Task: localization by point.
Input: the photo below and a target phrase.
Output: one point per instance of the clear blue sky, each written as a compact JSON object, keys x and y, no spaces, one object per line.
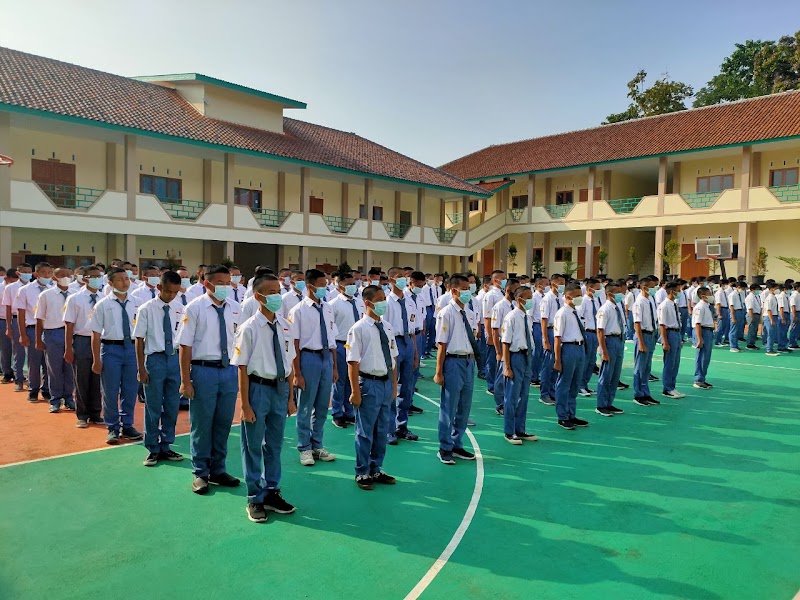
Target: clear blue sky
{"x":434,"y":79}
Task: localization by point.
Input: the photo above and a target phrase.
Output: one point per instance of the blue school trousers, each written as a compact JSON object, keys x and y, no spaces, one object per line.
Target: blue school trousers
{"x":161,"y":400}
{"x":119,"y":384}
{"x":610,"y":372}
{"x":573,"y":361}
{"x":372,"y":425}
{"x":341,"y":406}
{"x":312,"y":408}
{"x":211,"y":415}
{"x":455,"y":401}
{"x":516,"y":393}
{"x":643,"y":365}
{"x":672,"y":361}
{"x":702,"y":356}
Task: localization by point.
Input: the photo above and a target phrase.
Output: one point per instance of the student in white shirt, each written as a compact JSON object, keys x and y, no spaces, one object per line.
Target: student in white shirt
{"x":24,"y":273}
{"x":569,"y":357}
{"x":78,"y":347}
{"x":237,"y":290}
{"x":159,"y":369}
{"x":296,"y":295}
{"x":736,"y":312}
{"x":197,"y":289}
{"x":492,"y":297}
{"x":645,"y":323}
{"x":703,"y":323}
{"x":499,"y":312}
{"x":414,"y":293}
{"x":50,"y":309}
{"x":114,"y":356}
{"x":149,"y":289}
{"x":669,"y":320}
{"x":611,"y":325}
{"x":794,"y":309}
{"x":516,"y":335}
{"x":752,"y":304}
{"x":771,"y":319}
{"x":7,"y":341}
{"x":550,"y":304}
{"x":208,"y":379}
{"x":587,"y":311}
{"x":430,"y":310}
{"x":371,"y":366}
{"x":456,"y":327}
{"x":313,"y":330}
{"x":784,"y":313}
{"x":535,"y":315}
{"x":25,"y":307}
{"x":347,"y":311}
{"x":264,"y":352}
{"x":630,"y":298}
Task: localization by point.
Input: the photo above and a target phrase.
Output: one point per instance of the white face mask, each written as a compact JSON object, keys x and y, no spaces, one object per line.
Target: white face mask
{"x":64,"y":281}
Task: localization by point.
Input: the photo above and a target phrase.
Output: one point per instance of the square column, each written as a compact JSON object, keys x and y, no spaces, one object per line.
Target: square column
{"x":305,"y":195}
{"x":529,"y":252}
{"x":546,"y":252}
{"x":465,"y":218}
{"x":531,"y":198}
{"x":662,"y":189}
{"x":367,"y":260}
{"x":503,"y":252}
{"x":419,"y":261}
{"x":745,"y":183}
{"x":131,"y":175}
{"x":420,"y":216}
{"x":229,"y":182}
{"x":590,"y":203}
{"x":659,"y":247}
{"x":464,"y":264}
{"x":743,"y":262}
{"x":587,"y":268}
{"x":131,"y":252}
{"x":368,"y":207}
{"x":302,"y":257}
{"x":229,"y":250}
{"x":281,"y":191}
{"x":112,"y":181}
{"x":676,"y":177}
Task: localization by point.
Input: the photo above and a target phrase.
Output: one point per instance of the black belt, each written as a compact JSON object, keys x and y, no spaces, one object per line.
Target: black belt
{"x":550,"y":326}
{"x":214,"y":364}
{"x":341,"y":341}
{"x":322,"y":351}
{"x":574,"y":343}
{"x":461,"y":356}
{"x":673,"y":328}
{"x":373,"y":377}
{"x":519,"y":351}
{"x":650,"y":331}
{"x":709,"y":328}
{"x":265,"y":381}
{"x":619,"y":335}
{"x":163,"y":353}
{"x":77,"y":335}
{"x":114,"y":342}
{"x":55,"y":329}
{"x":405,"y":335}
{"x":591,"y":330}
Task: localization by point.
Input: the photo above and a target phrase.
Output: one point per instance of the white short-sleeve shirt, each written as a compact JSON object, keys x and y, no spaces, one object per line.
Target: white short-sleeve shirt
{"x":450,"y":328}
{"x":342,"y":308}
{"x":668,"y":314}
{"x":50,"y":307}
{"x":565,"y":325}
{"x":304,"y":324}
{"x":106,"y":319}
{"x":364,"y":346}
{"x":609,"y":319}
{"x":200,"y":327}
{"x":254,"y":346}
{"x":513,"y":329}
{"x":26,"y":299}
{"x":701,"y":314}
{"x":150,"y":324}
{"x":79,"y":308}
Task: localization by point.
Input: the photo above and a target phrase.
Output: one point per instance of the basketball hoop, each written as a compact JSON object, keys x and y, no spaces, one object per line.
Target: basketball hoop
{"x":6,"y":161}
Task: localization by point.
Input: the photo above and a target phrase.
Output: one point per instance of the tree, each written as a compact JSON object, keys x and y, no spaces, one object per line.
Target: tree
{"x":736,"y":79}
{"x":777,"y":66}
{"x":791,"y":262}
{"x":664,"y":96}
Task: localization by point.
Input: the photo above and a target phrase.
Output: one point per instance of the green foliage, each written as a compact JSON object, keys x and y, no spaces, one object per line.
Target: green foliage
{"x":602,"y":257}
{"x":632,"y":259}
{"x":569,"y":267}
{"x":664,"y":96}
{"x":791,"y":262}
{"x":227,"y":262}
{"x":344,"y":268}
{"x":760,"y":263}
{"x":537,"y":266}
{"x":512,"y":255}
{"x":672,"y":255}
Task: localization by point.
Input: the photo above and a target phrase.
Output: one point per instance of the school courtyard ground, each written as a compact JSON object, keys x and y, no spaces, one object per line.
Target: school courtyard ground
{"x":697,"y":498}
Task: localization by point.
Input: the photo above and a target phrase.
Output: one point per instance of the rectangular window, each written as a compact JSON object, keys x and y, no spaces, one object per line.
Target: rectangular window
{"x":538,"y":253}
{"x":377,"y":213}
{"x":519,"y":201}
{"x":474,"y":205}
{"x":405,"y":217}
{"x":563,"y":254}
{"x":165,"y":189}
{"x":316,"y":205}
{"x":714,"y":183}
{"x":564,"y":197}
{"x":778,"y":177}
{"x":245,"y":197}
{"x":584,"y":194}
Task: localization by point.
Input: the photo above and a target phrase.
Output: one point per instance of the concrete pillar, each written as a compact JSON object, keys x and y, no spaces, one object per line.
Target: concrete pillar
{"x":659,"y":248}
{"x":752,"y":248}
{"x":398,"y":196}
{"x":590,"y":200}
{"x":546,"y":252}
{"x":305,"y":196}
{"x":744,"y":262}
{"x":676,"y":177}
{"x":396,"y":259}
{"x":207,"y":181}
{"x":548,"y":192}
{"x":531,"y":196}
{"x":302,"y":257}
{"x":419,"y":261}
{"x":607,"y":185}
{"x":229,"y":182}
{"x":367,"y":260}
{"x":589,"y":266}
{"x":747,"y":165}
{"x":343,"y":256}
{"x":441,"y":265}
{"x":441,"y":214}
{"x":464,"y":264}
{"x":528,"y":253}
{"x":662,"y":187}
{"x":345,"y":199}
{"x":131,"y":175}
{"x":5,"y":172}
{"x":281,"y":191}
{"x":368,"y":207}
{"x":503,"y":252}
{"x":755,"y":170}
{"x":207,"y":252}
{"x":5,"y":247}
{"x":112,"y":181}
{"x":131,"y":251}
{"x":465,"y":219}
{"x":229,"y":250}
{"x":421,"y":214}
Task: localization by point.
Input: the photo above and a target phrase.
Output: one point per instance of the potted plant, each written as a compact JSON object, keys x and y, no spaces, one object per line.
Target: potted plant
{"x":569,"y":267}
{"x":537,"y":266}
{"x":602,"y":257}
{"x":792,"y":263}
{"x":760,"y":266}
{"x":632,"y":263}
{"x":512,"y":256}
{"x":344,"y":268}
{"x":713,"y":265}
{"x":672,"y":257}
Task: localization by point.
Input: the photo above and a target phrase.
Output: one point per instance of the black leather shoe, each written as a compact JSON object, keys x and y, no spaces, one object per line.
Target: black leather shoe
{"x":224,"y":480}
{"x":200,"y":485}
{"x":381,"y":477}
{"x":405,"y":434}
{"x":415,"y":410}
{"x":579,"y":422}
{"x":463,"y":454}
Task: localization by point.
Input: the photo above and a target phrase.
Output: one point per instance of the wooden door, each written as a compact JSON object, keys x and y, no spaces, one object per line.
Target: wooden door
{"x":692,"y":267}
{"x":316,"y":205}
{"x":56,"y":179}
{"x":581,"y":272}
{"x":488,"y":260}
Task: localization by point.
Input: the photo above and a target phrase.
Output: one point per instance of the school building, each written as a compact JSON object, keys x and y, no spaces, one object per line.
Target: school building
{"x":191,"y":169}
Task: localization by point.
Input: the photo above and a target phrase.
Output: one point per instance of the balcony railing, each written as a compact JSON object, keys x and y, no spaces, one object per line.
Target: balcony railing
{"x":624,"y":206}
{"x":397,"y":230}
{"x":517,"y":213}
{"x":558,"y":211}
{"x":68,"y":196}
{"x":188,"y":210}
{"x":700,"y":199}
{"x":269,"y":217}
{"x":338,"y":224}
{"x":445,"y":236}
{"x":786,"y":193}
{"x":455,"y":218}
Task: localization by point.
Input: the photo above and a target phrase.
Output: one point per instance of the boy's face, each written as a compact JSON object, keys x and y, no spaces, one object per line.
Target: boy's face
{"x":524,"y":297}
{"x":212,"y":281}
{"x":168,"y":291}
{"x":268,"y":288}
{"x":44,"y":272}
{"x":121,"y":282}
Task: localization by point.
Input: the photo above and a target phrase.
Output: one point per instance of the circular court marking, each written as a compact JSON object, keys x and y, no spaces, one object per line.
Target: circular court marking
{"x":463,"y":526}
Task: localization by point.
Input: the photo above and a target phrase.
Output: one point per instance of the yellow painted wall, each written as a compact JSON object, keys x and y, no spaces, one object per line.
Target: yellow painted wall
{"x":692,"y":169}
{"x":619,"y":241}
{"x":189,"y":252}
{"x":384,"y":198}
{"x":237,"y":107}
{"x":88,"y":156}
{"x":186,"y":168}
{"x":431,"y":210}
{"x":292,"y":193}
{"x":625,"y":186}
{"x":780,"y":239}
{"x":782,"y":159}
{"x":408,"y":202}
{"x":573,"y":182}
{"x":331,"y":193}
{"x":259,"y":179}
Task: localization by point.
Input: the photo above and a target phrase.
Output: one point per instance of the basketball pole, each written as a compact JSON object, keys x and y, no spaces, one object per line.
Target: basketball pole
{"x":721,"y":262}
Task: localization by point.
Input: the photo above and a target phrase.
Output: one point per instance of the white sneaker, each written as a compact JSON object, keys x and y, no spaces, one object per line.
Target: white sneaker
{"x":676,"y":394}
{"x":323,"y":455}
{"x":82,"y":424}
{"x":735,"y":350}
{"x":306,"y":458}
{"x":585,"y":393}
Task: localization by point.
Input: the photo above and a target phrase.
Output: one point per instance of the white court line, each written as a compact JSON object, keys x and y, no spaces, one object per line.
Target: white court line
{"x":465,"y":522}
{"x":725,"y":362}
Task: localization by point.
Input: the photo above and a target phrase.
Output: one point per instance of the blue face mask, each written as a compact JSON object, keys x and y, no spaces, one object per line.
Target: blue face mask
{"x":473,"y":287}
{"x":300,"y":285}
{"x":619,"y":298}
{"x":153,"y":281}
{"x":186,"y":282}
{"x":465,"y":296}
{"x":95,"y":282}
{"x":272,"y":302}
{"x":561,"y":289}
{"x":44,"y":280}
{"x":416,"y":290}
{"x":529,"y":304}
{"x":380,"y":307}
{"x":387,"y":289}
{"x":25,"y":277}
{"x":129,"y":273}
{"x":320,"y":292}
{"x":503,"y":284}
{"x":235,"y":279}
{"x":221,"y":292}
{"x":350,"y":290}
{"x":401,"y":283}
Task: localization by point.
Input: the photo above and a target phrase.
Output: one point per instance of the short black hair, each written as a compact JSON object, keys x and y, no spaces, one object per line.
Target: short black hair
{"x":417,"y":276}
{"x":43,"y":265}
{"x":572,"y":287}
{"x":114,"y":270}
{"x":215,"y":270}
{"x":458,"y":279}
{"x":521,"y":290}
{"x":12,"y":274}
{"x":170,"y":277}
{"x":264,"y":277}
{"x":486,"y":279}
{"x":374,"y":271}
{"x":498,"y":272}
{"x":368,"y":293}
{"x":313,"y":274}
{"x":672,"y":286}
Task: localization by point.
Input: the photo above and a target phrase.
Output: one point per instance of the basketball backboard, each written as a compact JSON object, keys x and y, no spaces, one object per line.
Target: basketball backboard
{"x":719,"y":248}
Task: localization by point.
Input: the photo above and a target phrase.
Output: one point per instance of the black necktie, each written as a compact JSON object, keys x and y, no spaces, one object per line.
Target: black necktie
{"x":65,"y":294}
{"x":152,"y":293}
{"x":404,"y":313}
{"x":528,"y":335}
{"x":323,"y":330}
{"x":594,"y":312}
{"x":583,"y":331}
{"x":652,"y":314}
{"x":355,"y":310}
{"x":223,"y":336}
{"x":236,"y":294}
{"x":276,"y":349}
{"x":183,"y":299}
{"x":126,"y":322}
{"x":621,"y":320}
{"x":93,"y":299}
{"x":470,"y":334}
{"x":387,"y":356}
{"x":168,"y":347}
{"x":677,"y":315}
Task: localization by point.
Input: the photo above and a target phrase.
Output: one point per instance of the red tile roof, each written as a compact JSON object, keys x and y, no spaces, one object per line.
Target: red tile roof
{"x":756,"y":119}
{"x":493,"y":186}
{"x":42,"y":84}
